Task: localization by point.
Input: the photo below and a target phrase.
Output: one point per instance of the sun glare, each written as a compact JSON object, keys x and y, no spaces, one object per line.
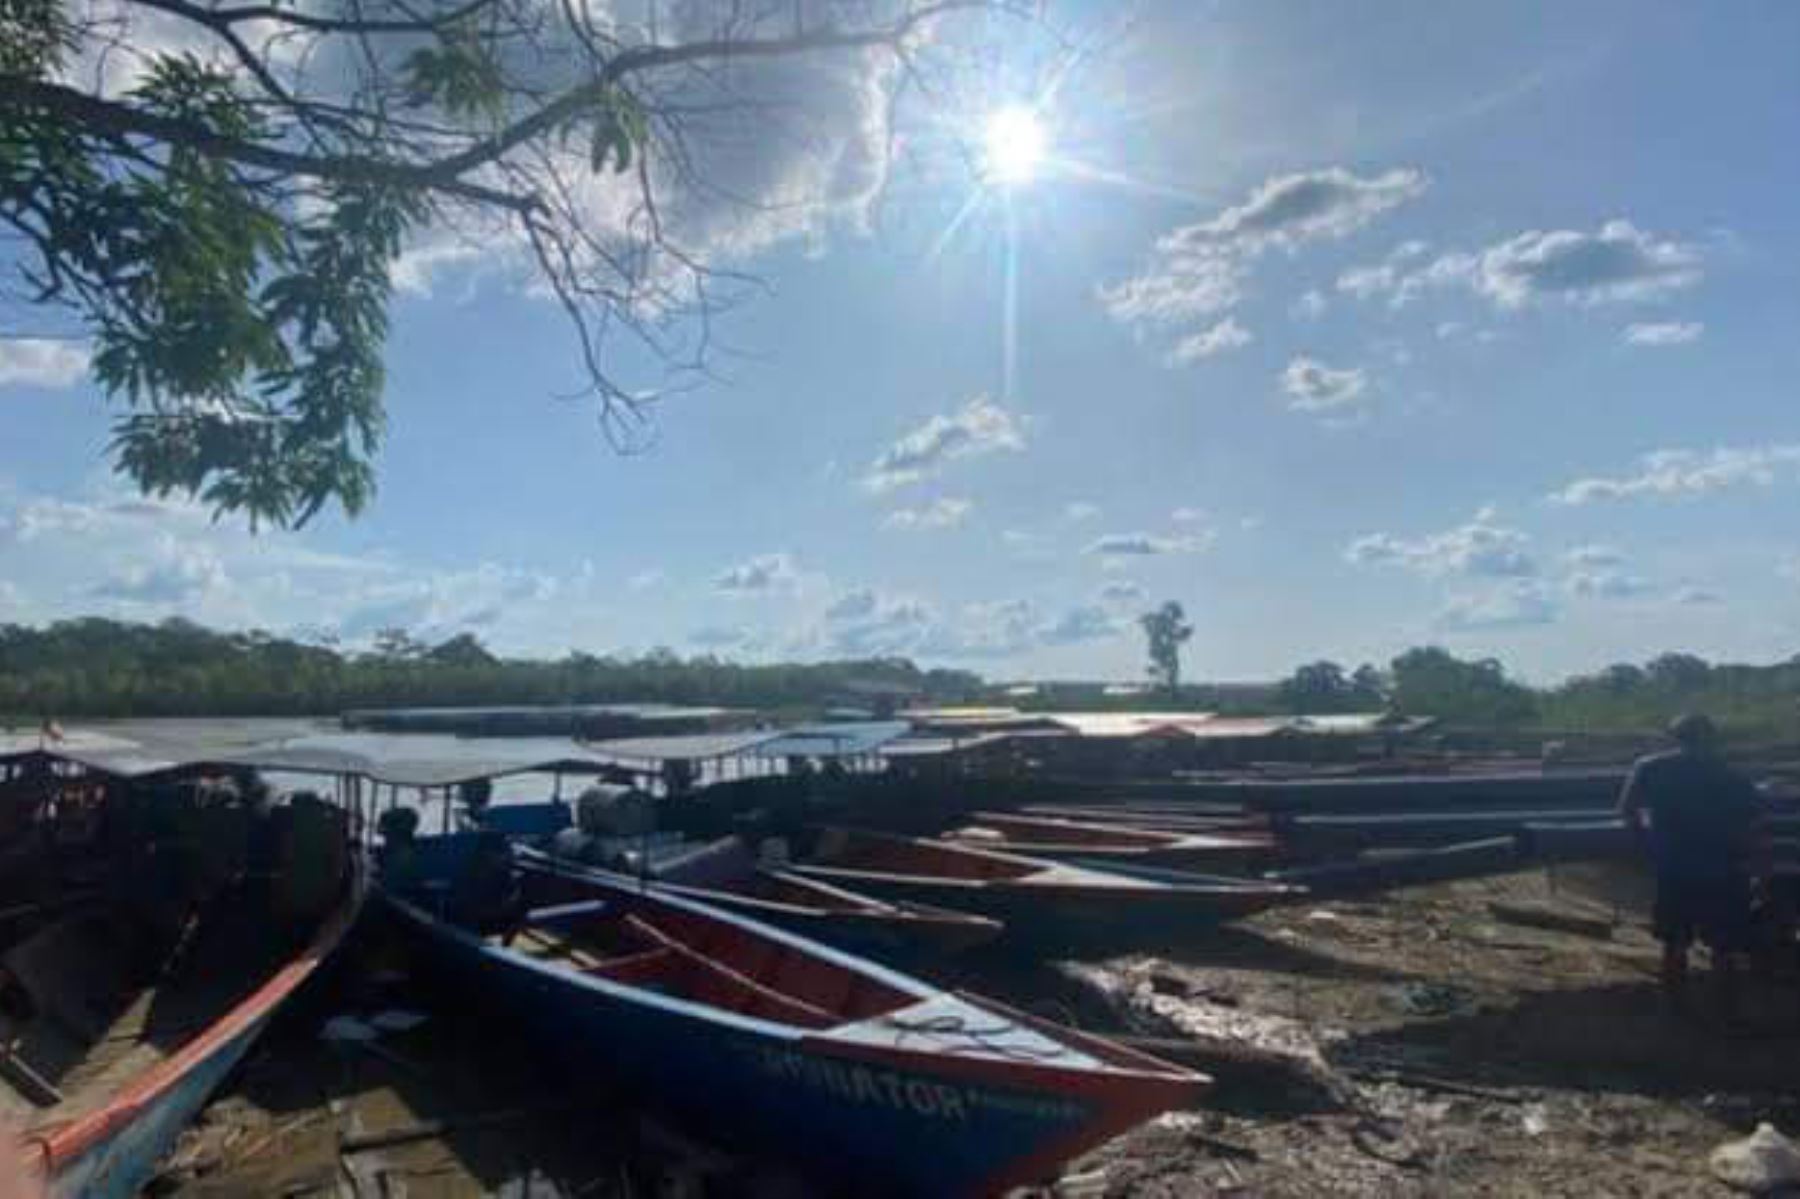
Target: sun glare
{"x":1014,"y":145}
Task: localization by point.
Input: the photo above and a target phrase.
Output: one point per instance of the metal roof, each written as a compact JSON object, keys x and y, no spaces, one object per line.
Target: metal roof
{"x":935,"y":746}
{"x":688,"y":747}
{"x":846,"y":739}
{"x":1131,"y":724}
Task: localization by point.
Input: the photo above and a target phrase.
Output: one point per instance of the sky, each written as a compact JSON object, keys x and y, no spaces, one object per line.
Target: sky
{"x":1351,"y":328}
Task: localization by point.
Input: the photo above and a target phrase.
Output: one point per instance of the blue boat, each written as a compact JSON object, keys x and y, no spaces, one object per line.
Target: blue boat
{"x":845,"y":1069}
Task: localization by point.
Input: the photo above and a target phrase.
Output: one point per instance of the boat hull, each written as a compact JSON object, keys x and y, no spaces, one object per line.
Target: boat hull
{"x":870,"y":934}
{"x":891,"y":1122}
{"x":113,"y":1152}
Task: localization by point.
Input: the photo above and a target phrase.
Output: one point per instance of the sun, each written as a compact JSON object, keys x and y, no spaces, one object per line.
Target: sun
{"x":1014,"y":144}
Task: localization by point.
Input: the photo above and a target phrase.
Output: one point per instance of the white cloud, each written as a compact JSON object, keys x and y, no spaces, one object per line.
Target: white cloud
{"x":1085,"y":623}
{"x":1619,"y":263}
{"x":176,"y":574}
{"x":1664,"y":333}
{"x":1608,"y":584}
{"x":1226,"y":335}
{"x":1697,"y":597}
{"x":1480,"y":548}
{"x":1520,"y":604}
{"x":1142,"y":545}
{"x":980,"y":427}
{"x":1315,"y":387}
{"x":643,"y":580}
{"x":1080,"y":510}
{"x":1670,"y":473}
{"x":760,"y":575}
{"x":1311,"y":305}
{"x":853,"y":605}
{"x":1121,"y":591}
{"x":41,"y":362}
{"x":1199,"y":270}
{"x":1592,"y":557}
{"x":941,"y":513}
{"x":722,"y":637}
{"x":1188,"y":516}
{"x":1289,"y":210}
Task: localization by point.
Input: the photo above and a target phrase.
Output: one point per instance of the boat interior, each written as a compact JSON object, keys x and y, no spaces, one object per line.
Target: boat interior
{"x":613,"y":933}
{"x":851,"y":849}
{"x":1043,"y":831}
{"x":140,"y":916}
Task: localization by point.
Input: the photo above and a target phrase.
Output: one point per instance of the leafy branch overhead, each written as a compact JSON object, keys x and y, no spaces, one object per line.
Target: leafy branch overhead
{"x":219,"y":194}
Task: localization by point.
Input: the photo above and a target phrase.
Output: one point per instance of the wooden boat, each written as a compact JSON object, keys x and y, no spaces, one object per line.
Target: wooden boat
{"x":834,"y":915}
{"x":1061,"y":840}
{"x":847,"y":1069}
{"x":1369,"y":875}
{"x":1168,"y":819}
{"x":107,"y":1052}
{"x":1048,"y":904}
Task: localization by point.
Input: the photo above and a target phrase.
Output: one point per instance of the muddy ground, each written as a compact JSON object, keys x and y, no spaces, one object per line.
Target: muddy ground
{"x":1415,"y":1044}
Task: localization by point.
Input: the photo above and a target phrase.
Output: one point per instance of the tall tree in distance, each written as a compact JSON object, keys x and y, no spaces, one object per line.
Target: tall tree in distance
{"x":215,"y":194}
{"x":1166,"y":630}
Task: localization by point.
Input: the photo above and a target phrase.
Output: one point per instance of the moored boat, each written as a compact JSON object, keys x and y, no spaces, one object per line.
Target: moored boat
{"x":164,"y":962}
{"x":834,"y":915}
{"x":1046,"y":904}
{"x":847,"y":1069}
{"x":1061,"y":840}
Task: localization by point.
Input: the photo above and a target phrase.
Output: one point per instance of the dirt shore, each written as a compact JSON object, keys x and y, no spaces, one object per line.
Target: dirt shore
{"x":1422,"y":1043}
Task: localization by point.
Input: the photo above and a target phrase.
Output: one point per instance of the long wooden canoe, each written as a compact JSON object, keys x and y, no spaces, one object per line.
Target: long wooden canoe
{"x":856,"y":1073}
{"x":1062,"y":840}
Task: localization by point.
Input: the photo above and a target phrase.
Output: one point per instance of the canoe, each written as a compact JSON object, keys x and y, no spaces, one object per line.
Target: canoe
{"x":1408,"y":868}
{"x":1042,"y":903}
{"x":1061,"y":840}
{"x":1163,"y":818}
{"x":1415,"y":830}
{"x":836,"y":916}
{"x":802,"y":1054}
{"x":113,"y":1062}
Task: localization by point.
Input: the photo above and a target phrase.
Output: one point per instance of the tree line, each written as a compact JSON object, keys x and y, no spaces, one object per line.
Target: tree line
{"x":97,"y":667}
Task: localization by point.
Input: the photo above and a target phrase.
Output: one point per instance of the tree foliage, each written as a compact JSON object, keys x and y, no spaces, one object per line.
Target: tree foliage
{"x":1166,"y":630}
{"x":1321,"y":687}
{"x":218,"y":191}
{"x":95,"y":667}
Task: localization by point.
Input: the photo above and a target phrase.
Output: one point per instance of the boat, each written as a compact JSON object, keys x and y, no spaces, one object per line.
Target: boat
{"x":1042,"y":903}
{"x":158,"y":962}
{"x":1375,"y":873}
{"x":844,"y":1068}
{"x":1162,"y":818}
{"x":725,"y":874}
{"x":834,"y":915}
{"x":1060,"y":840}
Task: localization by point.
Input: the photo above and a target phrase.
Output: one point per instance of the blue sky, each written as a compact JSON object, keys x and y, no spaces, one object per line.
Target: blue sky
{"x":1350,"y":327}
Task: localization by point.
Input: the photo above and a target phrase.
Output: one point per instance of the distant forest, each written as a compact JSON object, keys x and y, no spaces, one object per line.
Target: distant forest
{"x":95,"y":667}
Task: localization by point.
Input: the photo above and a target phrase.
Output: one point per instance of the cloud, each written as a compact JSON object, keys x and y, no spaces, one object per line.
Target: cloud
{"x":760,"y":575}
{"x":643,"y":580}
{"x":979,"y":428}
{"x":1608,"y":584}
{"x":1311,"y":305}
{"x":1121,"y":591}
{"x":1215,"y":339}
{"x":1188,"y":516}
{"x":1521,"y":604}
{"x":1481,"y":548}
{"x":1080,"y":510}
{"x":1290,"y":210}
{"x":1619,"y":263}
{"x":177,"y":574}
{"x":1143,"y":545}
{"x":41,"y":362}
{"x":1696,"y":597}
{"x":1594,"y":556}
{"x":853,"y":605}
{"x":942,"y":513}
{"x":1316,"y":387}
{"x":1664,"y":333}
{"x":1085,"y":623}
{"x":1199,"y":271}
{"x":1682,"y":472}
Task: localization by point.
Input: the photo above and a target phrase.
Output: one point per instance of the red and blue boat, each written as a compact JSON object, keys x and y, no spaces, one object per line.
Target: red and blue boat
{"x":102,"y":1063}
{"x":850,"y":1071}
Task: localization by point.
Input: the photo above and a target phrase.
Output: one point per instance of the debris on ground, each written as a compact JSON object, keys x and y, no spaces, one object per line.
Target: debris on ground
{"x":1762,"y":1163}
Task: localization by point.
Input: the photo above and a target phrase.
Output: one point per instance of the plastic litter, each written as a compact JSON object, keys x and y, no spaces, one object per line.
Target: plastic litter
{"x":1761,"y":1163}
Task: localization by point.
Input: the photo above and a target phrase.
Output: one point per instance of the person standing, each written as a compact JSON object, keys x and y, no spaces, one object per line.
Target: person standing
{"x":1696,"y":818}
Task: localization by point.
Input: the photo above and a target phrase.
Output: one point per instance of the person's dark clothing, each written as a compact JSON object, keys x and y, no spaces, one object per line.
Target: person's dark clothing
{"x":1701,"y":815}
